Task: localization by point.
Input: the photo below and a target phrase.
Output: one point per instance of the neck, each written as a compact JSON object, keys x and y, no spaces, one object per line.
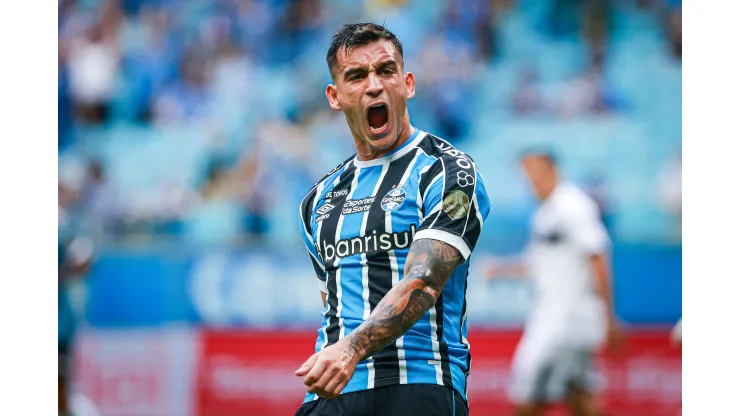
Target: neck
{"x":548,"y":190}
{"x":367,"y":152}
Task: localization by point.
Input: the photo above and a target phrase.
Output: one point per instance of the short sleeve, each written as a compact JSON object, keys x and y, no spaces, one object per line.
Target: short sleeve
{"x":588,"y":231}
{"x":454,"y":202}
{"x":306,"y":213}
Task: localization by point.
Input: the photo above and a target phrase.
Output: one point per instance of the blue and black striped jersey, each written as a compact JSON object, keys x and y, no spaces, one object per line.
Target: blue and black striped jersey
{"x":358,"y":224}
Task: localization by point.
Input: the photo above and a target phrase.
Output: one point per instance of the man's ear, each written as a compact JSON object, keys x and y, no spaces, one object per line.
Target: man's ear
{"x":331,"y":95}
{"x":410,"y":85}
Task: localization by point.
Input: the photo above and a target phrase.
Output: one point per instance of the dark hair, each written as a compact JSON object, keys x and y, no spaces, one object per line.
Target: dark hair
{"x":544,"y":152}
{"x":358,"y":34}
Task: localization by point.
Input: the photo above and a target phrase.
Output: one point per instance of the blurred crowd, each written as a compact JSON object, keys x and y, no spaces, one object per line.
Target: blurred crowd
{"x":239,"y":84}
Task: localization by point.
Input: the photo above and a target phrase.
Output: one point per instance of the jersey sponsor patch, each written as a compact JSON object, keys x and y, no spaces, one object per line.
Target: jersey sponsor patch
{"x":353,"y":206}
{"x":456,"y":204}
{"x":336,"y":194}
{"x":368,"y":244}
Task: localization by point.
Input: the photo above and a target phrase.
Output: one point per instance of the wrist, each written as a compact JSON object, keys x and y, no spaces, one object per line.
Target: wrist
{"x":355,"y":353}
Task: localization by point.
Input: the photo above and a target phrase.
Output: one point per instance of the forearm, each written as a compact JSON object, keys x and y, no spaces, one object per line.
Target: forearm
{"x":398,"y":311}
{"x":428,"y":266}
{"x":603,"y":282}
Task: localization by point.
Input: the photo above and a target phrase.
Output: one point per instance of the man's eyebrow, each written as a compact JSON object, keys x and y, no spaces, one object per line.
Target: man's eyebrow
{"x":354,"y":70}
{"x":387,"y":63}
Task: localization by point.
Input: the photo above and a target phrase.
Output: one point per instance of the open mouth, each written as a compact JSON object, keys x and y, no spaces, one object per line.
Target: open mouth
{"x":377,"y":117}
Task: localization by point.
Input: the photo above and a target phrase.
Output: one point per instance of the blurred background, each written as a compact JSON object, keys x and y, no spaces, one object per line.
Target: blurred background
{"x":189,"y":131}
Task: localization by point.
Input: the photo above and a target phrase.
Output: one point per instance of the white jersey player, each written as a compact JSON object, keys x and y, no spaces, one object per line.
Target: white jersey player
{"x":567,"y":259}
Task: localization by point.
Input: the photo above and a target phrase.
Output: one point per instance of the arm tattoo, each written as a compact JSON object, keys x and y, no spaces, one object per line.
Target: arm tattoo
{"x":428,"y":266}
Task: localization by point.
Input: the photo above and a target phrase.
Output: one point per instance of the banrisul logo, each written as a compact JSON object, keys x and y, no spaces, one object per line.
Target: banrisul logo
{"x":393,"y":199}
{"x":367,"y":244}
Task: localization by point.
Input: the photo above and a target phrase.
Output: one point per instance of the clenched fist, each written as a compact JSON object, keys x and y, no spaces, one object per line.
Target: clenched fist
{"x":328,"y":371}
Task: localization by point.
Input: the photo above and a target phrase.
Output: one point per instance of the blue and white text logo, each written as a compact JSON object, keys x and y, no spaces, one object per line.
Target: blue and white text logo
{"x":393,"y":199}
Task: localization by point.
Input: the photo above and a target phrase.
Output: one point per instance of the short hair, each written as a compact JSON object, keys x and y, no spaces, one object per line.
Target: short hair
{"x":540,"y":151}
{"x":358,"y":34}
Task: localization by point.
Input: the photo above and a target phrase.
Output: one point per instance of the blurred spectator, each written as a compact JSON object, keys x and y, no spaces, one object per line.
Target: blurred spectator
{"x":256,"y":21}
{"x":75,"y":258}
{"x":563,"y":17}
{"x":469,"y":24}
{"x":486,"y":30}
{"x":150,"y":58}
{"x":302,"y":24}
{"x":215,"y":217}
{"x":93,"y":67}
{"x":584,"y":95}
{"x":675,"y":32}
{"x":232,"y":73}
{"x":64,"y":102}
{"x":591,"y":93}
{"x":446,"y":84}
{"x":278,"y":146}
{"x":185,"y":98}
{"x":255,"y":196}
{"x":527,"y":96}
{"x":596,"y":24}
{"x":450,"y":61}
{"x":99,"y":201}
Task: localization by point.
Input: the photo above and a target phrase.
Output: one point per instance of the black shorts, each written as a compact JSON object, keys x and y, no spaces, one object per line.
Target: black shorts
{"x":405,"y":400}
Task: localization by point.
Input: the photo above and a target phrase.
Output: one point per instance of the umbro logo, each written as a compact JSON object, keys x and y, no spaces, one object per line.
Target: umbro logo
{"x":324,"y":208}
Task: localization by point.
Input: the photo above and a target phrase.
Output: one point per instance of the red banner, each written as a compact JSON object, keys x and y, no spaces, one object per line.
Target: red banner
{"x":251,"y":373}
{"x":137,"y":372}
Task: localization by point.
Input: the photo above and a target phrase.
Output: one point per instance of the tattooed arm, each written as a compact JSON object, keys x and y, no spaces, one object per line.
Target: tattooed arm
{"x":428,"y":266}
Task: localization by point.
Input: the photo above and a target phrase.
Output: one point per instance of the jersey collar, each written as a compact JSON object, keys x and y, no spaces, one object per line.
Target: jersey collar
{"x":410,"y":144}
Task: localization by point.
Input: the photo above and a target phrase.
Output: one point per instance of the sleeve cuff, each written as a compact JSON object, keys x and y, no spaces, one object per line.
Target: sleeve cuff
{"x":597,"y":248}
{"x":444,"y":236}
{"x":322,"y":286}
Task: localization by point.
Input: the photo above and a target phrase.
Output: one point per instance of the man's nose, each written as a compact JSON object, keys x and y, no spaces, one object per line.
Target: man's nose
{"x":374,"y":87}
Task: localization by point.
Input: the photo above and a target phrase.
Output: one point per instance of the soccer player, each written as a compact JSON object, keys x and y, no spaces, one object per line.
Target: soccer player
{"x":567,"y":257}
{"x":389,"y":232}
